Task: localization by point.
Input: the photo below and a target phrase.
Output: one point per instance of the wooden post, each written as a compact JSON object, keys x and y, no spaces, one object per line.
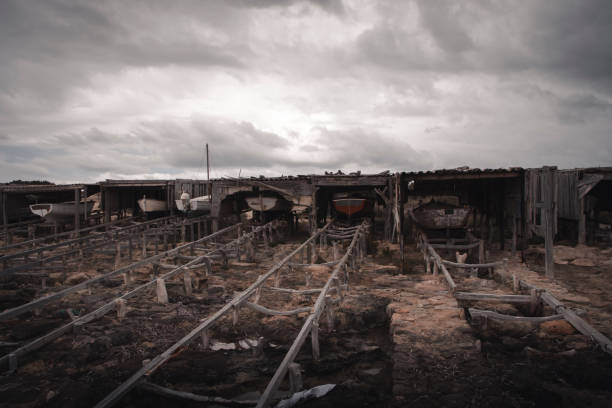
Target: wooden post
{"x":481,"y":251}
{"x":162,"y":294}
{"x":77,"y":215}
{"x":313,"y":208}
{"x":402,"y":186}
{"x":314,"y":337}
{"x":549,"y":222}
{"x":144,"y":244}
{"x":12,"y":362}
{"x":121,"y":308}
{"x":581,"y":223}
{"x":117,"y":254}
{"x":187,"y":282}
{"x":295,"y":378}
{"x":308,"y":254}
{"x":5,"y":218}
{"x":107,"y":206}
{"x":335,"y":250}
{"x":205,"y":339}
{"x":234,"y":315}
{"x":85,"y":209}
{"x":130,"y":247}
{"x":514,"y":233}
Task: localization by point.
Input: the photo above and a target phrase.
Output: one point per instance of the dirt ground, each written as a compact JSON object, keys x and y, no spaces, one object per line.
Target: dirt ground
{"x":396,"y":340}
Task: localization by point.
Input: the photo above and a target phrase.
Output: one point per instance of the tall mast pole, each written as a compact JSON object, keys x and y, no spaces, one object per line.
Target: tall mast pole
{"x":208,"y":170}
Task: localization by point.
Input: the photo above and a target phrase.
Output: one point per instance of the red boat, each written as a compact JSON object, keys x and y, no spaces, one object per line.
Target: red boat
{"x":352,"y":207}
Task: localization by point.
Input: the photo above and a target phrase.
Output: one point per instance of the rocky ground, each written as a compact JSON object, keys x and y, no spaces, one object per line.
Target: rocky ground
{"x":396,"y":340}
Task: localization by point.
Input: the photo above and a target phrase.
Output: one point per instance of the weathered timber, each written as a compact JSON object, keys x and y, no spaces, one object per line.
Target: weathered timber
{"x":488,"y":314}
{"x":265,"y":310}
{"x":101,"y":311}
{"x":167,"y":392}
{"x":489,"y":297}
{"x":237,"y":300}
{"x":37,"y":303}
{"x":470,"y":266}
{"x":580,"y":324}
{"x":307,"y":327}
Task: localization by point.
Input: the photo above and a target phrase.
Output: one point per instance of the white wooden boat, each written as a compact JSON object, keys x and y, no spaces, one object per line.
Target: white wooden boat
{"x":57,"y":211}
{"x":196,"y":204}
{"x":149,"y":205}
{"x":268,"y":204}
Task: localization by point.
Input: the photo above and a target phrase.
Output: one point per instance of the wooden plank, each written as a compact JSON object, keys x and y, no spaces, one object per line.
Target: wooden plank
{"x":478,"y":313}
{"x":167,"y":392}
{"x":489,"y":297}
{"x":265,"y":310}
{"x":549,"y":222}
{"x":580,"y":324}
{"x":470,"y":266}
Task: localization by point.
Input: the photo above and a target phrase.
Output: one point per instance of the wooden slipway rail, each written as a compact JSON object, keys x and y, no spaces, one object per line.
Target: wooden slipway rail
{"x":311,"y":326}
{"x":38,"y":303}
{"x":76,"y":247}
{"x":202,"y":330}
{"x":535,"y":298}
{"x":54,"y":237}
{"x":119,"y":303}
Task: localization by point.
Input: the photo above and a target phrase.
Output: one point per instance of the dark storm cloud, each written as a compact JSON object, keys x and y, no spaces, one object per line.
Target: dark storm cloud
{"x":51,"y":47}
{"x":113,"y":88}
{"x":567,"y":38}
{"x":358,"y":147}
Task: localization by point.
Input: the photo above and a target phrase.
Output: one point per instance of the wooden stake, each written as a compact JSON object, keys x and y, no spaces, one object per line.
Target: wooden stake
{"x":162,"y":294}
{"x":234,"y":315}
{"x":295,"y":378}
{"x":121,"y":307}
{"x":187,"y":282}
{"x":314,"y":336}
{"x":205,"y":339}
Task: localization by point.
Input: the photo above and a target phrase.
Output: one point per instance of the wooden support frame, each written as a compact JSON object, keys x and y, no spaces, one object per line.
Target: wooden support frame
{"x":241,"y":297}
{"x":308,"y":326}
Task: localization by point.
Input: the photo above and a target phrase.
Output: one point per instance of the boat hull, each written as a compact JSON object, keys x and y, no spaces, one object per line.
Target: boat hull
{"x":149,"y":205}
{"x":352,"y":207}
{"x":59,"y":211}
{"x":442,"y":218}
{"x":264,"y":204}
{"x":197,"y":204}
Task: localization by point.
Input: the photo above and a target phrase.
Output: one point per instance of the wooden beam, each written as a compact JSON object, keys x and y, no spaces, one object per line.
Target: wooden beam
{"x":580,"y":324}
{"x":167,"y":392}
{"x":265,"y":310}
{"x":548,"y":177}
{"x":489,"y":297}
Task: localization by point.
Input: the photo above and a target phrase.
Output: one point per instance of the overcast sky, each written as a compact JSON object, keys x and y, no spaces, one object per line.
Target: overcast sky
{"x":91,"y":90}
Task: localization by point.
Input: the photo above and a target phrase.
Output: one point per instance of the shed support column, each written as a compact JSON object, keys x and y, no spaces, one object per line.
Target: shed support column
{"x":313,"y":208}
{"x":5,"y":218}
{"x":77,"y":216}
{"x":549,"y":222}
{"x":514,"y":234}
{"x":107,"y":206}
{"x":581,"y":223}
{"x":85,"y":220}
